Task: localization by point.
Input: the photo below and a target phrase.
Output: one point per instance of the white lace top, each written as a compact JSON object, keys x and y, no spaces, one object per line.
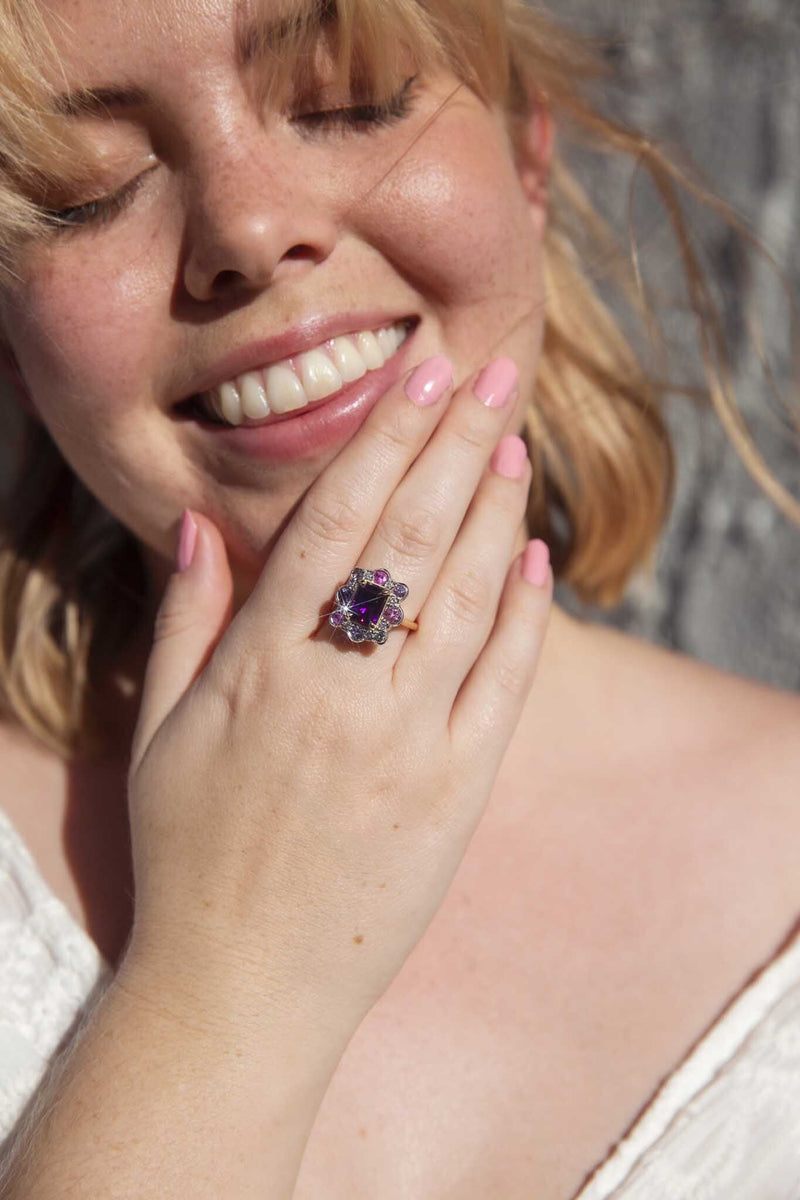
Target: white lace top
{"x":725,"y":1125}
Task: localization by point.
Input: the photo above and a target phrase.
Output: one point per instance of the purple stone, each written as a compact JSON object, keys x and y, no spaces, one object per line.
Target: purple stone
{"x":368,"y":604}
{"x":381,"y":578}
{"x":393,"y":614}
{"x":400,"y":591}
{"x":336,"y":619}
{"x":345,"y":595}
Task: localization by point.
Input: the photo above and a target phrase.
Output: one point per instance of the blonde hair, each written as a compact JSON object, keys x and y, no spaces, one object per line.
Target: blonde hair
{"x":72,"y":583}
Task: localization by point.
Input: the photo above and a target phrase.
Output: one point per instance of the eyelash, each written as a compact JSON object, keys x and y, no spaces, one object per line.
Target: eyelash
{"x":363,"y":118}
{"x":366,"y":117}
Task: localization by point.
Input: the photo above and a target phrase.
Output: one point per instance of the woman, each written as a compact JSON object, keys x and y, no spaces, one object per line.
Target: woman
{"x":406,"y":921}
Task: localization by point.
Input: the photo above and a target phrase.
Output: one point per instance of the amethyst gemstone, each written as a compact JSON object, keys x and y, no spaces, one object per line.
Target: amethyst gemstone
{"x":368,"y":604}
{"x":393,"y":615}
{"x":336,"y":619}
{"x":400,"y":591}
{"x":381,"y":578}
{"x":345,"y":595}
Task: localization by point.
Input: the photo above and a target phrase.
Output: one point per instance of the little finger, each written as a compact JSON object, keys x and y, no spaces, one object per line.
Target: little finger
{"x":490,"y":702}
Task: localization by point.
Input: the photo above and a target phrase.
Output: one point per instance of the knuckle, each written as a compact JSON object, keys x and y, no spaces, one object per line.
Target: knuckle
{"x":391,"y":437}
{"x":470,"y":435}
{"x":236,"y":691}
{"x":174,"y":619}
{"x":467,"y":596}
{"x":326,"y":519}
{"x":512,"y":676}
{"x":502,"y":503}
{"x":413,"y":535}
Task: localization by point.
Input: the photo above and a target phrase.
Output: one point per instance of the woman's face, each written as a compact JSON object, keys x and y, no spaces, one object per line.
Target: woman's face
{"x":246,"y":225}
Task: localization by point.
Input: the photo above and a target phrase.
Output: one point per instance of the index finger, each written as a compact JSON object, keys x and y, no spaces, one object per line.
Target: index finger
{"x":335,"y":520}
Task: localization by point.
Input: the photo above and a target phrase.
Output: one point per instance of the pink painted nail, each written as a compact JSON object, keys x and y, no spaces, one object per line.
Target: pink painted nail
{"x":498,"y":383}
{"x":536,"y":563}
{"x":186,"y":542}
{"x":430,"y":381}
{"x":509,"y":457}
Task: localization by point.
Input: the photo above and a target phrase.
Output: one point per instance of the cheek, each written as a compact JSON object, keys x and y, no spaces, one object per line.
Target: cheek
{"x":86,"y":341}
{"x":83,"y":332}
{"x":456,"y":221}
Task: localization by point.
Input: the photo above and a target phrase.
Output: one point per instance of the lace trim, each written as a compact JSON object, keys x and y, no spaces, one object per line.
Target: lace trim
{"x":740,"y":1088}
{"x":49,"y":967}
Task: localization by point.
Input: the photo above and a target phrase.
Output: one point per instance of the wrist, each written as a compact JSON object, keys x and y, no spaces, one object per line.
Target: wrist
{"x":232,"y":1004}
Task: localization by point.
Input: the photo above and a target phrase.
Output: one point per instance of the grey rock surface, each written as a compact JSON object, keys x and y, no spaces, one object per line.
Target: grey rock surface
{"x":721,"y":79}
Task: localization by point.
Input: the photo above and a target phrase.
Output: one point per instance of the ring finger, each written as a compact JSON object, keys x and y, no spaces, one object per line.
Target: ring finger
{"x":419,"y":524}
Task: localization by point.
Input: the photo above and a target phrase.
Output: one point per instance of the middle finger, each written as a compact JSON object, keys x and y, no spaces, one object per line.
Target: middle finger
{"x":420,"y":522}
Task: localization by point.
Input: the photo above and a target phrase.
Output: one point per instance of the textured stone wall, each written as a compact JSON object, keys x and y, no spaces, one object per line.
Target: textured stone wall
{"x":720,"y":78}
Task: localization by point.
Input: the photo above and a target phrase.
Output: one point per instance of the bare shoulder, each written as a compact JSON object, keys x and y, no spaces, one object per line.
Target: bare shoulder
{"x":707,"y":711}
{"x":716,"y":754}
{"x":686,"y":820}
{"x":26,"y":763}
{"x":32,"y":787}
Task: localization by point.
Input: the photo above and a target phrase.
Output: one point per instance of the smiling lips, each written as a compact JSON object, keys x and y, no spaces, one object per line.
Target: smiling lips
{"x":304,"y":379}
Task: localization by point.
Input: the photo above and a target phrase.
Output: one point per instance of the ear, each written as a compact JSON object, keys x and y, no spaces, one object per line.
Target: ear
{"x":12,"y":382}
{"x":534,"y":138}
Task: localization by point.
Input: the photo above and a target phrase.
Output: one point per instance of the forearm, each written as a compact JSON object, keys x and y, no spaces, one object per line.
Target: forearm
{"x":157,"y":1100}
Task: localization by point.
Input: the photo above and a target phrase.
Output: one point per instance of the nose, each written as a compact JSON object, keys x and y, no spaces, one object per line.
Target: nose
{"x":251,"y":220}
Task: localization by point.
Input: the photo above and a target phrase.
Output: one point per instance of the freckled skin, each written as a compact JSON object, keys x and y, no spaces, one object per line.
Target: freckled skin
{"x":244,"y":228}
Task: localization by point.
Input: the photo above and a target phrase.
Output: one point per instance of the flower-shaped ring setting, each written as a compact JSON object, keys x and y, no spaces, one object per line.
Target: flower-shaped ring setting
{"x":369,"y":607}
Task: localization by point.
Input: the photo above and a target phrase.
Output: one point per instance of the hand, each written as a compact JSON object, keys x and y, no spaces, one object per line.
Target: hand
{"x":299,"y":806}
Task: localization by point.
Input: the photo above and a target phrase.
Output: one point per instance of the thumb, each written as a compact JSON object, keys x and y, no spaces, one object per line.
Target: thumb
{"x":194,"y":612}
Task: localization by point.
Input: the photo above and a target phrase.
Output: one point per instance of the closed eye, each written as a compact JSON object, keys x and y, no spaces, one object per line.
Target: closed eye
{"x":366,"y":117}
{"x":360,"y":117}
{"x":98,"y":211}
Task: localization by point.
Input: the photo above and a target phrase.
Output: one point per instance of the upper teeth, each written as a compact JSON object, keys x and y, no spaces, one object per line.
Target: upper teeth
{"x":296,"y":382}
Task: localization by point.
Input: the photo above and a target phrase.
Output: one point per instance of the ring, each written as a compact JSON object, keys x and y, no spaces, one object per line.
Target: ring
{"x":368,"y":606}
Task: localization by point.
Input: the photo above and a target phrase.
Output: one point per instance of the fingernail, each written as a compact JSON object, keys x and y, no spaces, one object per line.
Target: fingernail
{"x":536,"y":563}
{"x":186,"y":541}
{"x":497,"y":383}
{"x":430,"y":381}
{"x":509,"y":457}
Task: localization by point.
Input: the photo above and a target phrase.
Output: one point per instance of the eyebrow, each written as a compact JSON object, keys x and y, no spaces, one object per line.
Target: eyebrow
{"x":100,"y":101}
{"x":252,"y":41}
